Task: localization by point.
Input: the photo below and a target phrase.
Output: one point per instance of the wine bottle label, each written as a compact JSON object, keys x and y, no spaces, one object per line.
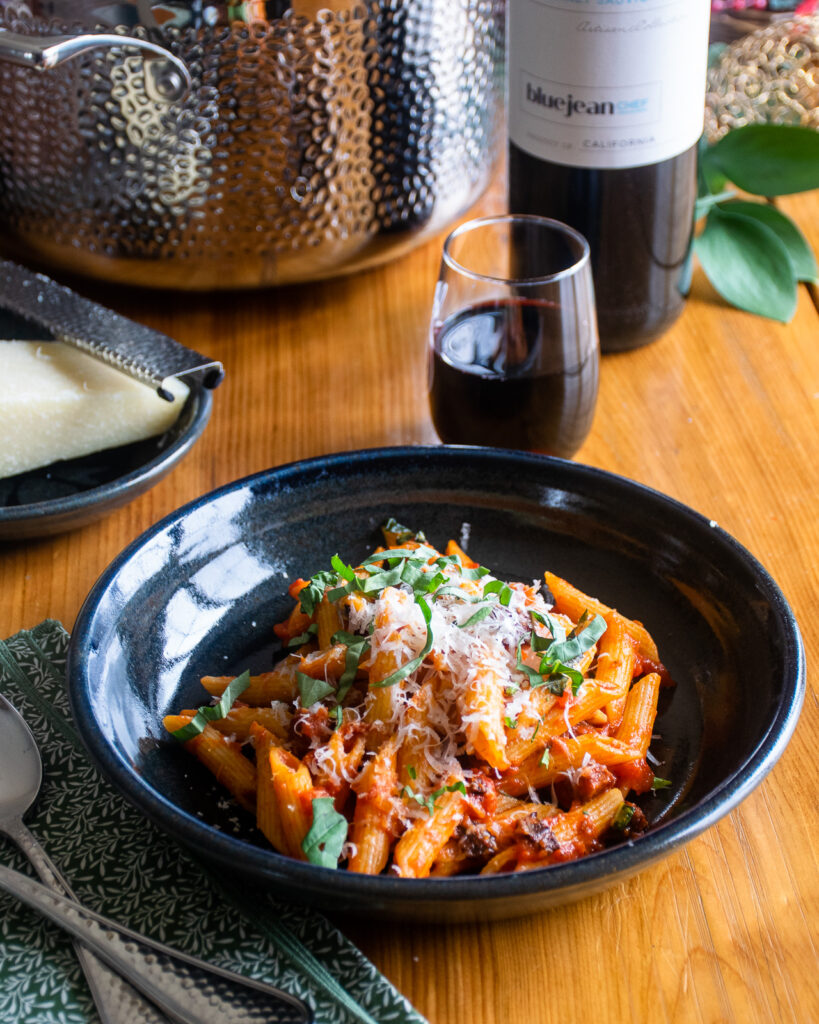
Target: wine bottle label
{"x":607,"y":83}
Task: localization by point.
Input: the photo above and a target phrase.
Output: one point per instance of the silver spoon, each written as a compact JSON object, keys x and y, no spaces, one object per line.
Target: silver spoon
{"x":188,"y":990}
{"x":21,"y":774}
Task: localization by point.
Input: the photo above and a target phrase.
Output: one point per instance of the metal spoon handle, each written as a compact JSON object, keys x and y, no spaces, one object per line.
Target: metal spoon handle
{"x":116,"y":1001}
{"x":188,"y":990}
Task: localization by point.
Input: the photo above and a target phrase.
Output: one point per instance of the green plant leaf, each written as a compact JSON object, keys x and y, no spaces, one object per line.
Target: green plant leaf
{"x":747,"y":264}
{"x":710,"y":179}
{"x":799,"y":251}
{"x":705,"y":202}
{"x":766,"y":159}
{"x":328,"y":833}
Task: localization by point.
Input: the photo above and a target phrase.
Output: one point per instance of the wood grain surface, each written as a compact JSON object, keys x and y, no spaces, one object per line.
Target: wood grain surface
{"x":721,"y":413}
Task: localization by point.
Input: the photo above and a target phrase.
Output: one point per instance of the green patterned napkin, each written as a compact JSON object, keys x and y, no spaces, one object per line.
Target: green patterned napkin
{"x":120,"y":865}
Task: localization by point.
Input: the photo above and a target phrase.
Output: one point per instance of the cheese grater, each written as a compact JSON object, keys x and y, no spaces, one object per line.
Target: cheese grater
{"x":143,"y":353}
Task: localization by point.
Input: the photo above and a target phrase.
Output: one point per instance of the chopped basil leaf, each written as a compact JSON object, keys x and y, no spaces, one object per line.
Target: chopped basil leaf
{"x":555,"y":684}
{"x":357,"y":646}
{"x":535,"y":678}
{"x":419,"y":798}
{"x":338,"y":714}
{"x":400,"y":533}
{"x":310,"y":595}
{"x":345,"y":571}
{"x":482,"y":613}
{"x":503,"y":590}
{"x":537,"y":730}
{"x":474,"y":574}
{"x":429,"y":801}
{"x":304,"y":638}
{"x":381,"y":580}
{"x":422,"y":553}
{"x":556,"y":675}
{"x":338,"y":592}
{"x":510,"y":723}
{"x":457,"y":592}
{"x":411,"y":772}
{"x":327,"y":835}
{"x":545,"y":758}
{"x":659,"y":783}
{"x":210,"y":712}
{"x":551,"y":623}
{"x":577,"y":644}
{"x":411,"y":666}
{"x":431,"y":584}
{"x":311,"y":690}
{"x":622,"y":818}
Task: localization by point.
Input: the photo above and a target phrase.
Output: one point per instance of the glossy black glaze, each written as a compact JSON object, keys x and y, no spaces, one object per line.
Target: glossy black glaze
{"x":73,"y":493}
{"x":200,"y":592}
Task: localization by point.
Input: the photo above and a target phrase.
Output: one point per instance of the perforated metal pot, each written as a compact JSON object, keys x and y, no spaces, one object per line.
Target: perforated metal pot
{"x":314,"y":138}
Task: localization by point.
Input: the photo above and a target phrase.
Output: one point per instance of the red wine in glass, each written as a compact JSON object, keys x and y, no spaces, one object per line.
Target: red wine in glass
{"x":514,"y":348}
{"x":499,"y":377}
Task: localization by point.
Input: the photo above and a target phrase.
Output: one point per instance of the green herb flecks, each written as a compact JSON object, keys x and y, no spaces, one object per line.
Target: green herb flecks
{"x":503,"y":590}
{"x":323,"y":843}
{"x":357,"y":646}
{"x":412,"y":665}
{"x":305,"y":637}
{"x":429,"y":801}
{"x":312,"y":594}
{"x":311,"y":690}
{"x":658,"y":783}
{"x":622,"y":819}
{"x":396,"y":533}
{"x":483,"y":612}
{"x":211,"y":712}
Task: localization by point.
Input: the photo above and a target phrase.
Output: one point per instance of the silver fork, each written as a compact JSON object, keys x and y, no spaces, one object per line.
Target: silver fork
{"x":188,"y":990}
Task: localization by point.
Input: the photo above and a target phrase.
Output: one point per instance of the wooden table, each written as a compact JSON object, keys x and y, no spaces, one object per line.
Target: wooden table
{"x":721,"y":414}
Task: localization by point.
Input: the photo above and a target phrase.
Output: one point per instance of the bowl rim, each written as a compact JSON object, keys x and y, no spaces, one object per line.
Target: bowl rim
{"x":119,"y":488}
{"x":626,"y":858}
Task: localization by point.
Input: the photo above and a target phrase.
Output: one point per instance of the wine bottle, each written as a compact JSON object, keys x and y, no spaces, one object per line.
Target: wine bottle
{"x":606,"y":104}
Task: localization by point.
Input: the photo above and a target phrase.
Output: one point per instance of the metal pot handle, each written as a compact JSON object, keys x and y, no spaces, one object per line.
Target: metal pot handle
{"x":167,"y":77}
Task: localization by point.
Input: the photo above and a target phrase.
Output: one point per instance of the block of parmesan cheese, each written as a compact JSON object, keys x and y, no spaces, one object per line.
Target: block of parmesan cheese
{"x":57,"y":402}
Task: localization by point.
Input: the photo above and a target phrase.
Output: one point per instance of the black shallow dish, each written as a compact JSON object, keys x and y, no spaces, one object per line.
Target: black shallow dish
{"x":73,"y":493}
{"x":200,"y":591}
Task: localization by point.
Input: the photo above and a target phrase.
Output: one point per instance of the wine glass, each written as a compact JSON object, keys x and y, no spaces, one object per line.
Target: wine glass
{"x":514,"y":352}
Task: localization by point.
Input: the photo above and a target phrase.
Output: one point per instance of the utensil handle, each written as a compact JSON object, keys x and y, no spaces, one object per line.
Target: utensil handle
{"x":116,"y":1001}
{"x":189,"y":990}
{"x":44,"y":52}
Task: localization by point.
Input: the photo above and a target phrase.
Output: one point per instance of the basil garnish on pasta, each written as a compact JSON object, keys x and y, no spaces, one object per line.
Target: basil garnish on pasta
{"x":327,"y":835}
{"x":311,"y":690}
{"x":210,"y":712}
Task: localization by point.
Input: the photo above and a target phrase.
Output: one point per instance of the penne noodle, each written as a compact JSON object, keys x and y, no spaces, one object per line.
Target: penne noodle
{"x":371,"y":834}
{"x":640,"y":711}
{"x":328,"y":620}
{"x":222,"y":757}
{"x":423,"y":841}
{"x":238,"y":722}
{"x":482,"y":708}
{"x":294,"y":792}
{"x":268,"y":818}
{"x":280,"y":684}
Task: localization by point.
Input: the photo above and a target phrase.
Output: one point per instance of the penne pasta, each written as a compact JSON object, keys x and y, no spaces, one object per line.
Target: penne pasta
{"x":433,"y":719}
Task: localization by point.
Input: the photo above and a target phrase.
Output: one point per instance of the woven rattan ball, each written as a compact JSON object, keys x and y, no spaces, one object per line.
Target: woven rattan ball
{"x":771,"y":75}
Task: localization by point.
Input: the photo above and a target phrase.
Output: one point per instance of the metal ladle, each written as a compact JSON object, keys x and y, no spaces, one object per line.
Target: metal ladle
{"x":185,"y":989}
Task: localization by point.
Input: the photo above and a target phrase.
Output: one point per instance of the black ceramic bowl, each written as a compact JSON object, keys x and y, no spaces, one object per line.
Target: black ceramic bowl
{"x":73,"y":493}
{"x":199,"y":593}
